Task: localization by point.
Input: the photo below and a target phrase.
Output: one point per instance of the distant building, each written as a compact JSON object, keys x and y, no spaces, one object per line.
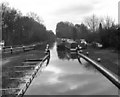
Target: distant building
{"x":119,"y":12}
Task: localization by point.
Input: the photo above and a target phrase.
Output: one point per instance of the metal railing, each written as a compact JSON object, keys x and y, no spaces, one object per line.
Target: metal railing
{"x":13,"y":49}
{"x":111,"y":76}
{"x":37,"y":68}
{"x":27,"y":81}
{"x":17,"y":49}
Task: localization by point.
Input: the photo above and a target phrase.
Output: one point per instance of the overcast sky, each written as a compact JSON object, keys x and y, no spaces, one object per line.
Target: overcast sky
{"x":54,"y":11}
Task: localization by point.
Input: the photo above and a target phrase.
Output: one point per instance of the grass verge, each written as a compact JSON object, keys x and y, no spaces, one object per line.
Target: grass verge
{"x":109,"y":58}
{"x":8,"y":67}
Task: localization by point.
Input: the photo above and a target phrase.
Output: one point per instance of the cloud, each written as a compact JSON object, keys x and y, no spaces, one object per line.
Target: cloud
{"x":75,"y":9}
{"x":53,"y":11}
{"x":119,"y":12}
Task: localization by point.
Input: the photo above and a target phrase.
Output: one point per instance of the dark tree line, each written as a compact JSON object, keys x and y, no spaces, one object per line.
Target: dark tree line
{"x":18,"y":29}
{"x":108,"y":35}
{"x":64,"y":30}
{"x":71,"y":31}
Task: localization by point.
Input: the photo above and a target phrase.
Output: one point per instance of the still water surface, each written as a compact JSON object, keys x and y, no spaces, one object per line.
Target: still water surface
{"x":66,"y":76}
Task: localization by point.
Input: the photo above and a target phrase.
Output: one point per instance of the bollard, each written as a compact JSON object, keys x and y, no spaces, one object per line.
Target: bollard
{"x":23,"y":48}
{"x":87,"y":53}
{"x":11,"y":49}
{"x":47,"y":46}
{"x":34,"y":46}
{"x":78,"y":48}
{"x":81,"y":51}
{"x":99,"y":59}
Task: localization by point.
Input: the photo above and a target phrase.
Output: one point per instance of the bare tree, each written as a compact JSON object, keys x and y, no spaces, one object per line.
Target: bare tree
{"x":35,"y":17}
{"x":109,"y":22}
{"x":92,"y":22}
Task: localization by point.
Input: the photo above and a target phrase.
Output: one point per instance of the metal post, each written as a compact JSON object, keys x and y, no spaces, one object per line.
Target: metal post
{"x":11,"y":49}
{"x":24,"y":48}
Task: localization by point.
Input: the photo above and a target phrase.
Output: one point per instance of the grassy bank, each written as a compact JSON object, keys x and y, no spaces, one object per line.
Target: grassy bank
{"x":8,"y":67}
{"x":109,"y":58}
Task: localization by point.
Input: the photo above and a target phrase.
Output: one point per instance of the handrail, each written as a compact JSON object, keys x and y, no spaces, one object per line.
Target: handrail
{"x":39,"y":66}
{"x":112,"y":77}
{"x":32,"y":76}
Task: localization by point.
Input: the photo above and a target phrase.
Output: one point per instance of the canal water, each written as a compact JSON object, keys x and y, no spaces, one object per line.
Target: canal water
{"x":65,"y":75}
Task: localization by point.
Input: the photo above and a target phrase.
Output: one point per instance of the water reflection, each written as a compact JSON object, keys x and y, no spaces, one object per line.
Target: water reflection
{"x":66,"y":76}
{"x":87,"y":65}
{"x":42,"y":46}
{"x":51,"y":44}
{"x":65,"y":54}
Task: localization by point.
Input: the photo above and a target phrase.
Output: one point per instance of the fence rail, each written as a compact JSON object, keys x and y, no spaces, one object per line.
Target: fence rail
{"x":13,"y":49}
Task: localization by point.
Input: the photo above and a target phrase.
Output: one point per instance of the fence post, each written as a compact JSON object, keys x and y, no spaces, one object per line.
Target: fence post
{"x":23,"y":48}
{"x":48,"y":57}
{"x":11,"y":49}
{"x":3,"y":48}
